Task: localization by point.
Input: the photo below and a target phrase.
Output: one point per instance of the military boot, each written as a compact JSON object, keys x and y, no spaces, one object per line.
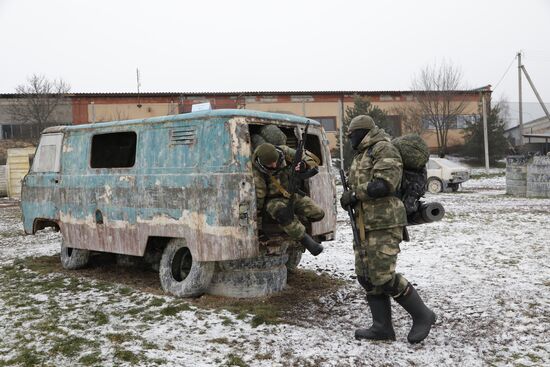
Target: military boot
{"x":311,"y":245}
{"x":382,"y":328}
{"x":423,"y":317}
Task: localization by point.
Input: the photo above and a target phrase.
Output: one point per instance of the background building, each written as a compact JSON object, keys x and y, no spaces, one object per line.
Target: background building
{"x":327,"y":107}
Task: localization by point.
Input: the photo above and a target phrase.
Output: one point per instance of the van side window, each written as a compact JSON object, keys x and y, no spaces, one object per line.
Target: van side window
{"x":115,"y":150}
{"x":48,"y":154}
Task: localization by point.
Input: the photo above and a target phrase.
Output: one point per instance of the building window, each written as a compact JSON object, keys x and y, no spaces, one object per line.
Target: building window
{"x":462,"y":121}
{"x":457,"y":122}
{"x":328,"y":122}
{"x":116,"y":150}
{"x":427,"y":123}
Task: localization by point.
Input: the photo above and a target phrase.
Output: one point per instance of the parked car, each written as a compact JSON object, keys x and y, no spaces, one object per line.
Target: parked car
{"x":176,"y":191}
{"x":445,"y":174}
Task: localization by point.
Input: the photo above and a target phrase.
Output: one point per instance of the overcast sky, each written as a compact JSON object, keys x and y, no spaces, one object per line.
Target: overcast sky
{"x":182,"y":46}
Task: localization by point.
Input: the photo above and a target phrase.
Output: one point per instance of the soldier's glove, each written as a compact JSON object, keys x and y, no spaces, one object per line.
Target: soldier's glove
{"x":348,"y":199}
{"x":308,"y":173}
{"x":301,"y":167}
{"x":378,"y":188}
{"x":284,"y":216}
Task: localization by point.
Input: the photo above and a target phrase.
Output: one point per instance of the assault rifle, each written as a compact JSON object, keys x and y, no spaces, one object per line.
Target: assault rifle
{"x":356,"y":240}
{"x":297,"y":176}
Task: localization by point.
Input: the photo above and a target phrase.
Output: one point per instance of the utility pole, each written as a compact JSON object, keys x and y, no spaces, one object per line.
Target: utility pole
{"x":485,"y":134}
{"x":520,"y":102}
{"x":138,"y":85}
{"x":536,"y":92}
{"x":340,"y":130}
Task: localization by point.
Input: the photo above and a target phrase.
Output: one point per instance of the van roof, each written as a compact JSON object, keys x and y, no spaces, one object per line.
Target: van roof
{"x":191,"y":116}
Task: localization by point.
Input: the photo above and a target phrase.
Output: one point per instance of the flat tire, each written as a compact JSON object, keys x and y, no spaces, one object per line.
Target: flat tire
{"x":73,"y":258}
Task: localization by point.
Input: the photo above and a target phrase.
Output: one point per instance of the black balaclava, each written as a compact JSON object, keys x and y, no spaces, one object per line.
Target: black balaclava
{"x":356,"y":137}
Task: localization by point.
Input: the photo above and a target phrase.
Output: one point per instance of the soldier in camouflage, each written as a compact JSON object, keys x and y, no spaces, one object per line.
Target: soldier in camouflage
{"x":272,"y":170}
{"x":374,"y":177}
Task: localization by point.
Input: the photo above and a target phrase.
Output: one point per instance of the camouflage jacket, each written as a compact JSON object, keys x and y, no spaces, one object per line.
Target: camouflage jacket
{"x":265,"y":188}
{"x":378,"y":158}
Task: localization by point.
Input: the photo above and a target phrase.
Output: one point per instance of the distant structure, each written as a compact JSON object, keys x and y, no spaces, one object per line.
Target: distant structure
{"x":536,"y":135}
{"x":528,"y":176}
{"x":327,"y":107}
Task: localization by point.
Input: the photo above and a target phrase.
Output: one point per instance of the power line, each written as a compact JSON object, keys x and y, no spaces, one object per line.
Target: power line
{"x":506,"y":72}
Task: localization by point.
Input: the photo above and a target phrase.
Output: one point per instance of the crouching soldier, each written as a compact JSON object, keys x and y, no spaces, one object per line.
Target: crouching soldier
{"x":272,"y":170}
{"x":374,"y":176}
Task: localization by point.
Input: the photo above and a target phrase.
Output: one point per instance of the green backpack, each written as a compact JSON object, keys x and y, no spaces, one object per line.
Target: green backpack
{"x":414,"y":151}
{"x":414,"y":154}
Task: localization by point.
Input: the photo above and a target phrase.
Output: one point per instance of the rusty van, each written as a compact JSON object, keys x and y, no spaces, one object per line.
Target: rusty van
{"x":176,"y":192}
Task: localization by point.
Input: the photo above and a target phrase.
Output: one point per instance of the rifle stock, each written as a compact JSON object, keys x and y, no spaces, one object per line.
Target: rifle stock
{"x":356,"y":240}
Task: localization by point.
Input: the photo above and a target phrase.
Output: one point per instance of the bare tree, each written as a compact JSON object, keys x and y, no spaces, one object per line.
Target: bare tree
{"x":410,"y":116}
{"x":40,"y":98}
{"x":437,"y":92}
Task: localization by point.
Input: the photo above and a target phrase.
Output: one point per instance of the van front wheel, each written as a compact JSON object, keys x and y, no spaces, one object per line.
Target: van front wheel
{"x":73,"y":258}
{"x":180,"y":274}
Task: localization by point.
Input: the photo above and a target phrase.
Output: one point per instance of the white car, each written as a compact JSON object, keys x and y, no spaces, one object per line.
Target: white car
{"x":444,"y":173}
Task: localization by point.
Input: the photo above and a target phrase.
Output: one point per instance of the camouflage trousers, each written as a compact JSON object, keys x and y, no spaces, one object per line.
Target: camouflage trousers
{"x":375,"y":261}
{"x":305,"y":210}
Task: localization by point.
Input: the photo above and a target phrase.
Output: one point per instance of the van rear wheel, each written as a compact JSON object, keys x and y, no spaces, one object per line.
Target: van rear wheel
{"x":182,"y":275}
{"x":73,"y":258}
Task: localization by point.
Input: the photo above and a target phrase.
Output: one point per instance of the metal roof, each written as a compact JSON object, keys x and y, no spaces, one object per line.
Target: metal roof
{"x":293,"y":119}
{"x":244,"y":93}
{"x":542,"y":135}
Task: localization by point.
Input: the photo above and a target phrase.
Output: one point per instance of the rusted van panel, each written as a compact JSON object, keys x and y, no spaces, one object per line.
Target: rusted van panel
{"x":190,"y":178}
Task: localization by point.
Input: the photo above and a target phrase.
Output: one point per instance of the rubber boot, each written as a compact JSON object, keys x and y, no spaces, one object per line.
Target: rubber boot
{"x":423,"y":317}
{"x":382,"y":328}
{"x":311,"y":245}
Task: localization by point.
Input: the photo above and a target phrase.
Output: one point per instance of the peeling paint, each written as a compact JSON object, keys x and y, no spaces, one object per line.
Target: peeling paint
{"x":67,"y":148}
{"x":129,"y":179}
{"x":107,"y":195}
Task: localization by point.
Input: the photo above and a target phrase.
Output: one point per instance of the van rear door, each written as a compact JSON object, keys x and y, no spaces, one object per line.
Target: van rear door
{"x":321,"y":186}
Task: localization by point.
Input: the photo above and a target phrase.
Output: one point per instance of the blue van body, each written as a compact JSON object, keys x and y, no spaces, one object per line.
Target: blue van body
{"x":190,"y":178}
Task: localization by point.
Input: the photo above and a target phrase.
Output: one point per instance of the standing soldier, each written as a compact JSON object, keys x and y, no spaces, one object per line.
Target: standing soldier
{"x":374,"y":176}
{"x":272,"y":171}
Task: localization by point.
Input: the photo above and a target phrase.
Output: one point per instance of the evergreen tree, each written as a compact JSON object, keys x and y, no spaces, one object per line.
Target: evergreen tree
{"x":361,"y":106}
{"x":473,"y":136}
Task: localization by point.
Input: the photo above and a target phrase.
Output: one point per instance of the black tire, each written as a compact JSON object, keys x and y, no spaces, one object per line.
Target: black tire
{"x":180,"y":274}
{"x":455,"y":187}
{"x":434,"y":185}
{"x":73,"y":258}
{"x":294,"y":258}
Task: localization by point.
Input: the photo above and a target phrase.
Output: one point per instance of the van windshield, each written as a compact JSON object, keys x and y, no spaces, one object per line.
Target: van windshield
{"x":48,"y":154}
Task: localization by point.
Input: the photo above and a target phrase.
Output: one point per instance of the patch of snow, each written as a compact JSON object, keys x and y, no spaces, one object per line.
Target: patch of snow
{"x":483,"y":269}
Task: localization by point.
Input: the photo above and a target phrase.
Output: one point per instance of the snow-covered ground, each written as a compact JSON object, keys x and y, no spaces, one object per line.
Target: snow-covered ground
{"x":483,"y":269}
